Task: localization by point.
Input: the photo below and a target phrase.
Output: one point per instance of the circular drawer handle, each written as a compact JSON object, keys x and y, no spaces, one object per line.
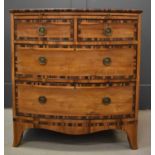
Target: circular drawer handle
{"x":42,"y":60}
{"x":108,"y":31}
{"x":106,"y":100}
{"x":42,"y":99}
{"x":107,"y":61}
{"x":42,"y":31}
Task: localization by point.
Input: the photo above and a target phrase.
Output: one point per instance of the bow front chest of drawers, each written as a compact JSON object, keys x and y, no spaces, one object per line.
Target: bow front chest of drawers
{"x":75,"y":71}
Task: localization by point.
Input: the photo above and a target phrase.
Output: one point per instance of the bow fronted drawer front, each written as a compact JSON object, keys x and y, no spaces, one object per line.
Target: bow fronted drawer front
{"x":77,"y":101}
{"x":108,"y":62}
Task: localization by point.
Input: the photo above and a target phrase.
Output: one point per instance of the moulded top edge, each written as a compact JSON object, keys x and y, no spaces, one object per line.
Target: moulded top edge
{"x":74,"y":10}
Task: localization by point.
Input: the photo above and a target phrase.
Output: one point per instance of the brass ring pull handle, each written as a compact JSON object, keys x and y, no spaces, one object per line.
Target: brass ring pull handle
{"x":107,"y":61}
{"x":42,"y":60}
{"x":106,"y":100}
{"x":42,"y":31}
{"x":42,"y":99}
{"x":108,"y":31}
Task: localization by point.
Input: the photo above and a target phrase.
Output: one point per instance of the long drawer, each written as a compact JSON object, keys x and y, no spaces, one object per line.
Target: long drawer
{"x":109,"y":62}
{"x":68,"y":100}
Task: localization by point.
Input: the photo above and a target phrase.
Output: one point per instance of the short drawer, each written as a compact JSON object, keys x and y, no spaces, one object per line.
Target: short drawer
{"x":67,"y":100}
{"x":51,"y":30}
{"x":112,"y":62}
{"x":106,"y":30}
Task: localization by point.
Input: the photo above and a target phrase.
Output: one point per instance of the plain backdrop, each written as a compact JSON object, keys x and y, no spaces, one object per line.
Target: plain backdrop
{"x":145,"y":5}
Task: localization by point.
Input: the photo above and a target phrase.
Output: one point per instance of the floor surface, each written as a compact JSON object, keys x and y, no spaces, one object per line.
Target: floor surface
{"x":44,"y":142}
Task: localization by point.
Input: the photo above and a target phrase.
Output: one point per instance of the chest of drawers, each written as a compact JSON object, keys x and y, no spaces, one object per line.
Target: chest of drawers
{"x":75,"y":71}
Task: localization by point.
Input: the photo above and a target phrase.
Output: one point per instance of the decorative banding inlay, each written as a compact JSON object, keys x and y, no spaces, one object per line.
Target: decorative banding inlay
{"x":77,"y":117}
{"x":74,"y":124}
{"x":72,"y":10}
{"x":78,"y":84}
{"x":53,"y":77}
{"x":75,"y":46}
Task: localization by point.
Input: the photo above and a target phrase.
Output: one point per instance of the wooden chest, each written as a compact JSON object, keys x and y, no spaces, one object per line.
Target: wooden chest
{"x":75,"y":71}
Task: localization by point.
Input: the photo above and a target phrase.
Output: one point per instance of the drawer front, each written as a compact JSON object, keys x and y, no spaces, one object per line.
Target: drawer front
{"x":44,"y":29}
{"x":112,"y":62}
{"x":106,"y":30}
{"x":68,"y":100}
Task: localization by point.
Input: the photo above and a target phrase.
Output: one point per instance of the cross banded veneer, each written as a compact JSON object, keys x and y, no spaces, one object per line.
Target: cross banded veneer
{"x":75,"y":71}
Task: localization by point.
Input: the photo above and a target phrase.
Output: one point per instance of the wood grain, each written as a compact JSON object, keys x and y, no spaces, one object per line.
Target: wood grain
{"x":82,"y":63}
{"x":75,"y":101}
{"x":74,"y":79}
{"x":96,"y":30}
{"x":53,"y":30}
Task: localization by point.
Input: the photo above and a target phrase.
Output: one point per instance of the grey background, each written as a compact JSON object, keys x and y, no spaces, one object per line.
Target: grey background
{"x":145,"y":5}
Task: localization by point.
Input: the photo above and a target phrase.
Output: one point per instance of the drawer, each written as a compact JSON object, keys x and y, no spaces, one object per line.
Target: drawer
{"x":110,"y":62}
{"x":67,"y":100}
{"x":44,"y":29}
{"x":106,"y":30}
